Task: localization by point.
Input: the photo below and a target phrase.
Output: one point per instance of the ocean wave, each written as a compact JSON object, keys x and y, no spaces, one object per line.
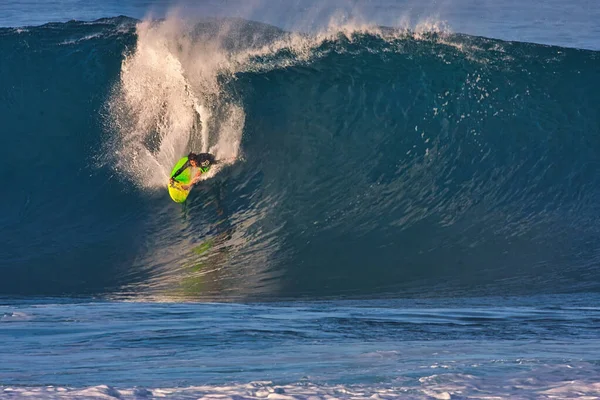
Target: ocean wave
{"x":371,"y":161}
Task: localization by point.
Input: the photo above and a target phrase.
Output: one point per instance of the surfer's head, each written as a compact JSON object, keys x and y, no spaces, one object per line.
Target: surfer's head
{"x":193,"y":159}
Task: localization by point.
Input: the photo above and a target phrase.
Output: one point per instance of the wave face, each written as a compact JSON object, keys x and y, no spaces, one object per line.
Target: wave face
{"x":370,"y":162}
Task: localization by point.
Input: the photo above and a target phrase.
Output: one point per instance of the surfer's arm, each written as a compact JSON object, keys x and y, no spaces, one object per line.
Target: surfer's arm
{"x":194,"y":180}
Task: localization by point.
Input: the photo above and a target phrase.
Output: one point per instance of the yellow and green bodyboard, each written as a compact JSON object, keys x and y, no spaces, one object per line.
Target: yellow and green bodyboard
{"x":177,"y":193}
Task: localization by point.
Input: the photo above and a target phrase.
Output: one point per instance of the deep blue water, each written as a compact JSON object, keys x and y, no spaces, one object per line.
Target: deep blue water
{"x":412,"y":209}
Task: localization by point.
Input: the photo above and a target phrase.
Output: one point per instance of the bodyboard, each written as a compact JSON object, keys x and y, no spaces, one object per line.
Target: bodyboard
{"x":177,"y":193}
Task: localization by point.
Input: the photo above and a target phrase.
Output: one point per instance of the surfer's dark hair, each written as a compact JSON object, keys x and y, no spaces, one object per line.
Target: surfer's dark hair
{"x":203,"y":159}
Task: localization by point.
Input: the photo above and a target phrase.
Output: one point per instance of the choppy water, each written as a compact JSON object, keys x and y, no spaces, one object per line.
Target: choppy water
{"x":412,"y":212}
{"x":464,"y":348}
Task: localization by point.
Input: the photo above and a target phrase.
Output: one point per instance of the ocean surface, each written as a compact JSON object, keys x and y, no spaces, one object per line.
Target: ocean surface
{"x":410,"y":206}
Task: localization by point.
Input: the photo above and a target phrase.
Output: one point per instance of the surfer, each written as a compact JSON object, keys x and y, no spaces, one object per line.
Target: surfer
{"x":199,"y":164}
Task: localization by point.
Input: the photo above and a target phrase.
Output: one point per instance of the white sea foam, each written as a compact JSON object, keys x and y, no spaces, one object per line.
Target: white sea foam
{"x":438,"y":387}
{"x":14,"y":316}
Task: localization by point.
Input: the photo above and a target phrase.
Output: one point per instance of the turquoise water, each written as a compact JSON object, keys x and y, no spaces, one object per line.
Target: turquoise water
{"x":409,"y":207}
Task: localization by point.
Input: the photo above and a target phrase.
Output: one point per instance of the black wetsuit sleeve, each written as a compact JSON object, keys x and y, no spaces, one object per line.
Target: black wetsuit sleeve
{"x":180,"y":170}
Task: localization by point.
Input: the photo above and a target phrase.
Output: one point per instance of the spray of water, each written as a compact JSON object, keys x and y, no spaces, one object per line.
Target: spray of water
{"x":169,"y":101}
{"x":170,"y":98}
